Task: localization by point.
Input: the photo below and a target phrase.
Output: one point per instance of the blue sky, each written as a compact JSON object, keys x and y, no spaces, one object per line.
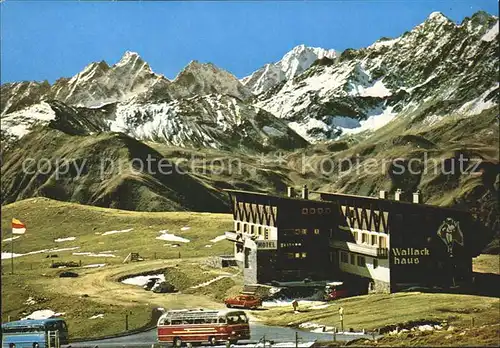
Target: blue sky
{"x":45,"y":40}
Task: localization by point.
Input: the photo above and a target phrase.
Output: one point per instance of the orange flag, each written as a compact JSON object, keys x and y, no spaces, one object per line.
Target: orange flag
{"x":18,"y":227}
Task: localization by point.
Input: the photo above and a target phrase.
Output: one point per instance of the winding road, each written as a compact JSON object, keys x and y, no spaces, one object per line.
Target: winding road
{"x":258,"y":331}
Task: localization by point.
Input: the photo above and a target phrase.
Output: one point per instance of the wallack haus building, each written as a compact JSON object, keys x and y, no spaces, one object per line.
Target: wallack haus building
{"x":388,"y":244}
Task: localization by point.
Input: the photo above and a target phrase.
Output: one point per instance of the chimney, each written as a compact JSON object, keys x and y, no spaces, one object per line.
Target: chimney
{"x":398,"y":195}
{"x":382,"y":194}
{"x":305,"y":192}
{"x":417,"y":197}
{"x":291,"y":191}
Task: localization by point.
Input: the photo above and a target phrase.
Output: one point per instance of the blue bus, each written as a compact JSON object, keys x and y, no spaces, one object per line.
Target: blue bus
{"x":35,"y":333}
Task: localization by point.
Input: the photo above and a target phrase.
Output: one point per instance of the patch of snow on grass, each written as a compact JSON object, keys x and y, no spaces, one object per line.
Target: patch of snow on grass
{"x":58,"y":240}
{"x":142,"y":280}
{"x":117,"y":231}
{"x":218,"y":238}
{"x":9,"y":255}
{"x":323,"y":306}
{"x":97,"y":316}
{"x":208,"y":245}
{"x":11,"y":239}
{"x":43,"y":314}
{"x":209,"y":282}
{"x":185,"y":228}
{"x":288,"y":302}
{"x":87,"y":253}
{"x":171,"y":237}
{"x":95,"y":265}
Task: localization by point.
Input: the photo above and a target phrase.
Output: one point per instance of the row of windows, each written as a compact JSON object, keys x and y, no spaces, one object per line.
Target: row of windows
{"x":252,"y":229}
{"x":289,"y":245}
{"x":370,"y":239}
{"x":319,"y":211}
{"x":230,"y":319}
{"x":296,"y":255}
{"x":353,"y":259}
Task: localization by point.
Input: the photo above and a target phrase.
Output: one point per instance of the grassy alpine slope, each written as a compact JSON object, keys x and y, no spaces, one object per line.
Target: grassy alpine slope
{"x":96,"y":290}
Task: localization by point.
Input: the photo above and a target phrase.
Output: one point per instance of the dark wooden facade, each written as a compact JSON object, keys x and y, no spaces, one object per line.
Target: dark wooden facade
{"x":394,"y":244}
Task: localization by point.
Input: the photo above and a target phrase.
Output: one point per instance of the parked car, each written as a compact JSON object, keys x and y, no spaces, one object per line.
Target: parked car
{"x":337,"y":290}
{"x":243,"y":301}
{"x":151,"y":283}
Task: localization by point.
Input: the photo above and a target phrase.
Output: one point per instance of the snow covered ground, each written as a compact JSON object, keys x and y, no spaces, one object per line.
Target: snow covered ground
{"x":99,"y":254}
{"x":9,"y":255}
{"x":117,"y":231}
{"x":11,"y":239}
{"x":142,"y":280}
{"x":66,"y":239}
{"x":171,"y":237}
{"x":218,"y":238}
{"x":95,"y":265}
{"x":43,"y":314}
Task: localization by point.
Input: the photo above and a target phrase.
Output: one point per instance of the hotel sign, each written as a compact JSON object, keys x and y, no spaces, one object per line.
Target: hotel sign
{"x":266,"y":244}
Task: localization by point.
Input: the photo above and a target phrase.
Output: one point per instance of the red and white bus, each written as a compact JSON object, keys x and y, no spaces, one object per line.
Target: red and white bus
{"x":199,"y":326}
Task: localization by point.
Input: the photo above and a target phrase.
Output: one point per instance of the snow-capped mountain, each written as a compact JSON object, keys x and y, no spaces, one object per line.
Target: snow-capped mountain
{"x":298,"y":60}
{"x":438,"y":68}
{"x":129,"y":79}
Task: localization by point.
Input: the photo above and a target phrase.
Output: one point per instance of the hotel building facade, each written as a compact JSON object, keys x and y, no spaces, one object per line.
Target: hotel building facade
{"x":386,"y":244}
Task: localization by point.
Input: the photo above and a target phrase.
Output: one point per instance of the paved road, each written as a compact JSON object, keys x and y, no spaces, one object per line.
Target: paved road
{"x":274,"y":333}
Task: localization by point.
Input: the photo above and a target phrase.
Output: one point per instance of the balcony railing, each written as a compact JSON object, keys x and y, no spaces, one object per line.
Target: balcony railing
{"x":364,"y":249}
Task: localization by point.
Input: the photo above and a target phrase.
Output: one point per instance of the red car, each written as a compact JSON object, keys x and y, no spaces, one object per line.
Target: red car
{"x":243,"y":301}
{"x":336,"y":290}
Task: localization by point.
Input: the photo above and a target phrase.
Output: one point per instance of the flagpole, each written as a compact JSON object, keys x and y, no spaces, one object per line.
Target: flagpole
{"x":12,"y":252}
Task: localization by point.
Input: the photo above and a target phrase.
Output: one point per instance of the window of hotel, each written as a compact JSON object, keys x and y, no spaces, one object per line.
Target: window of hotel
{"x":320,"y":211}
{"x":252,"y":229}
{"x":305,"y":211}
{"x":266,"y":233}
{"x":238,"y":226}
{"x":290,"y":255}
{"x":381,"y":242}
{"x":304,"y":255}
{"x":353,"y":261}
{"x":375,"y":263}
{"x":361,"y":261}
{"x":328,"y":210}
{"x":355,"y":235}
{"x":260,"y":230}
{"x":312,"y":211}
{"x":364,"y":238}
{"x":316,"y":231}
{"x":374,"y":240}
{"x":343,"y":257}
{"x":245,"y":228}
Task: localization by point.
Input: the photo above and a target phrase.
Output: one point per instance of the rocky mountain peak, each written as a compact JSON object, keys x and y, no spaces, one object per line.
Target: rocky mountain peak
{"x":293,"y":63}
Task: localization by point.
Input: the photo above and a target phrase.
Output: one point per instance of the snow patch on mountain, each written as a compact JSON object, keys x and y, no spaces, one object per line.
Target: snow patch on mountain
{"x":376,"y":89}
{"x":491,"y":34}
{"x":19,"y":123}
{"x":293,"y":63}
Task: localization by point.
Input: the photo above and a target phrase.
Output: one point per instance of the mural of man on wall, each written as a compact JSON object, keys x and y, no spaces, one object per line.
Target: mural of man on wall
{"x":450,"y":233}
